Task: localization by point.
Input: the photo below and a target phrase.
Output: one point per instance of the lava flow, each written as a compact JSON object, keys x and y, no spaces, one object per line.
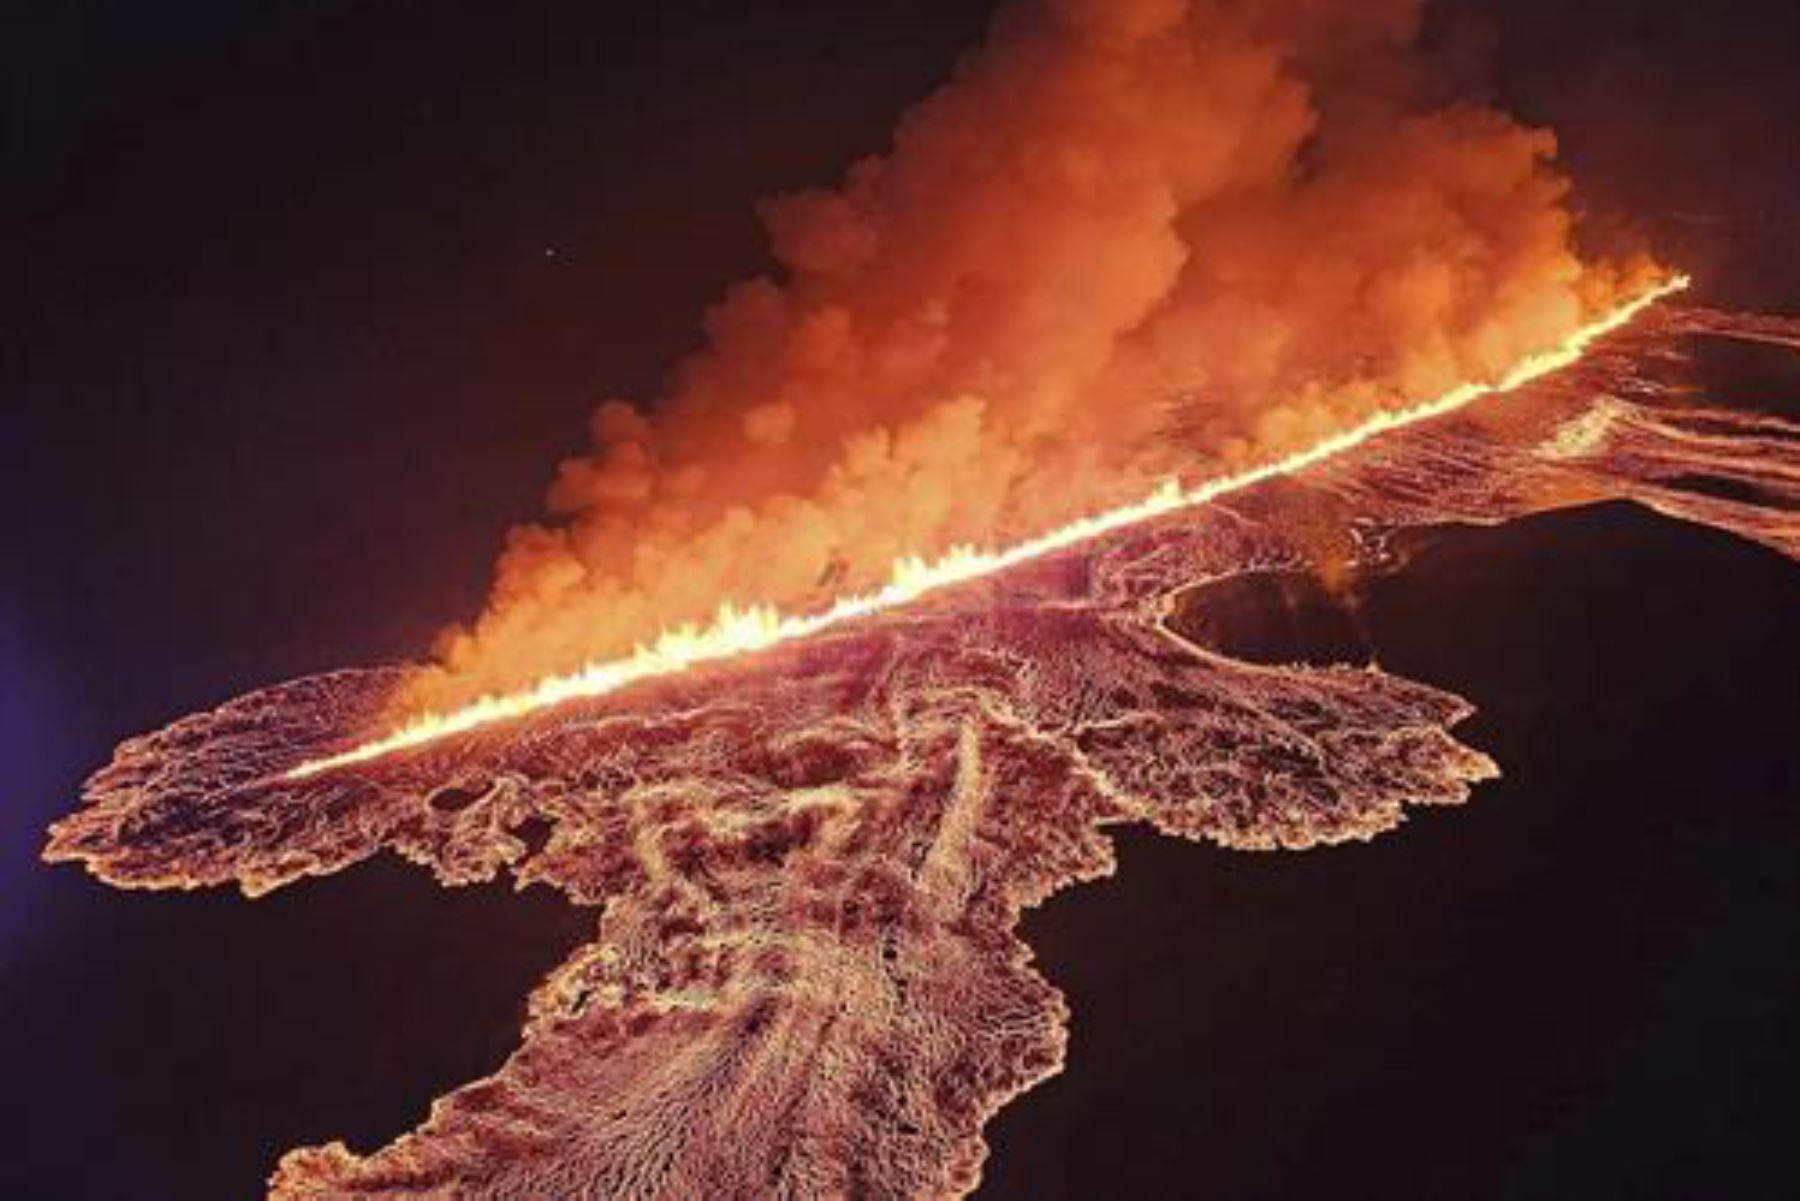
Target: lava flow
{"x":736,"y":631}
{"x":807,"y":979}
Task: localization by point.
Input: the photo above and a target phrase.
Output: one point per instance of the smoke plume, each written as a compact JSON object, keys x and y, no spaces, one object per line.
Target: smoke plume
{"x":1129,"y":238}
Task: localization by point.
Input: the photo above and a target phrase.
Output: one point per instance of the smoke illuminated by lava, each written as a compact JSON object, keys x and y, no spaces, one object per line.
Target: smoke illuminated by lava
{"x":1130,"y":240}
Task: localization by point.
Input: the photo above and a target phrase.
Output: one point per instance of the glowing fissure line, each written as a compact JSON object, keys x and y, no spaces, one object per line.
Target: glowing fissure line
{"x":735,"y":631}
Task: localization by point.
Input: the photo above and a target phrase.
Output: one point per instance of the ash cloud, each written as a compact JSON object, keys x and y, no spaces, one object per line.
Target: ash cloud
{"x":1128,"y":238}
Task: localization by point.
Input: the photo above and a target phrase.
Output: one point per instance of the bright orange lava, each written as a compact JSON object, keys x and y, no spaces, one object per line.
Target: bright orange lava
{"x":734,"y":631}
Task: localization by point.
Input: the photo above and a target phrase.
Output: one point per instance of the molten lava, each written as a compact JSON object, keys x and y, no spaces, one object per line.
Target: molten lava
{"x":807,"y":976}
{"x":735,"y":631}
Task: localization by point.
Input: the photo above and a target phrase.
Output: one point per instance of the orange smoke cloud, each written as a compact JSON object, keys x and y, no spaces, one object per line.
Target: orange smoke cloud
{"x":1131,"y":238}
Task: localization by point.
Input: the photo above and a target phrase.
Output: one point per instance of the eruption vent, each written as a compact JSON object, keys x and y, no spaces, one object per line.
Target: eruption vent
{"x":734,"y":631}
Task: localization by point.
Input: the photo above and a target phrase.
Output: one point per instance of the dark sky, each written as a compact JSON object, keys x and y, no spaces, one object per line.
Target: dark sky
{"x":303,"y":298}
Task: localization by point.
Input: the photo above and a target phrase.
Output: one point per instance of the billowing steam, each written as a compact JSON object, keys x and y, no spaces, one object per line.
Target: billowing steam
{"x":1130,"y":238}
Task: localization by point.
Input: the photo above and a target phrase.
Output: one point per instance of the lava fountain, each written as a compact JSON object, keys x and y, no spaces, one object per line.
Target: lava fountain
{"x":736,"y":631}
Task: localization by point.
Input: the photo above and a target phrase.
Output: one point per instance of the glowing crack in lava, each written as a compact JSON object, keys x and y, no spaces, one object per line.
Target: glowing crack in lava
{"x":736,"y":631}
{"x":807,"y":979}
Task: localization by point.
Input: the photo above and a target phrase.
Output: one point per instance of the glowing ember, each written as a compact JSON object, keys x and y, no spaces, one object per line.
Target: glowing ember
{"x":735,"y":631}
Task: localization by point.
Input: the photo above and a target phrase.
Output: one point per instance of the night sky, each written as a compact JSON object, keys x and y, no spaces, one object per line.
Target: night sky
{"x":303,"y":300}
